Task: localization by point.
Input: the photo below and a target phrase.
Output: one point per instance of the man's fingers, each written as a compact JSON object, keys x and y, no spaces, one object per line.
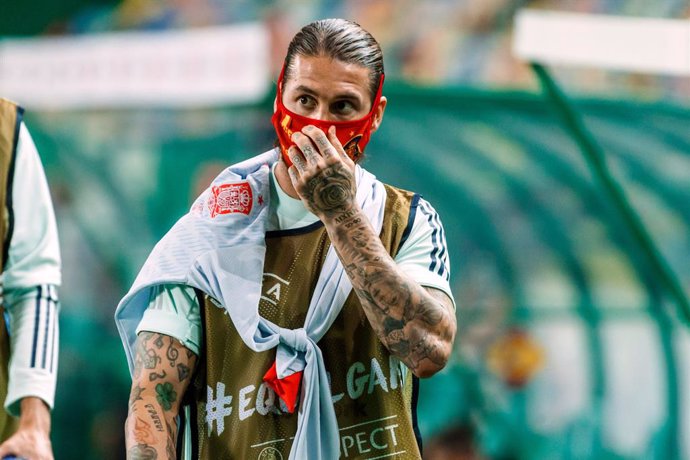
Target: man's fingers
{"x":307,"y":148}
{"x":6,"y":449}
{"x":333,"y":138}
{"x":294,"y":176}
{"x":296,"y":158}
{"x":319,"y":137}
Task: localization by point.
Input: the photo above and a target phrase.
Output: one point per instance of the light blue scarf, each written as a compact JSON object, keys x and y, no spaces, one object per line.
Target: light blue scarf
{"x":223,"y":256}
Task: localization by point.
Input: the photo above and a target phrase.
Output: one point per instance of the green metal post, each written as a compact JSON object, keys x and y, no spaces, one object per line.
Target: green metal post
{"x":594,"y":156}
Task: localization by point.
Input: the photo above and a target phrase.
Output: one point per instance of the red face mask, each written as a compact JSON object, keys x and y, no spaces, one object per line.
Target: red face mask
{"x":353,"y":135}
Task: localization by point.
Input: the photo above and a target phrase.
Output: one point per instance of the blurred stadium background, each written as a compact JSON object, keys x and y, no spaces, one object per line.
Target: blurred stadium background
{"x":570,"y":345}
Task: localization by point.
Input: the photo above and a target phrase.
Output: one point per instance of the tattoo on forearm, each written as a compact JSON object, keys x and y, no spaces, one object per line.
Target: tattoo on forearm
{"x":142,"y":452}
{"x":142,"y":431}
{"x":344,"y":216}
{"x":172,"y":353}
{"x":170,"y":448}
{"x":170,"y":444}
{"x":145,"y":335}
{"x":163,"y":369}
{"x":155,"y":376}
{"x":153,"y":413}
{"x":144,"y":356}
{"x":166,"y":395}
{"x":413,"y":324}
{"x":135,"y":394}
{"x":182,"y":372}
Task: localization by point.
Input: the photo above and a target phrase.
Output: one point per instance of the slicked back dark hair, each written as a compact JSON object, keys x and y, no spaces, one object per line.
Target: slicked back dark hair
{"x":339,"y":39}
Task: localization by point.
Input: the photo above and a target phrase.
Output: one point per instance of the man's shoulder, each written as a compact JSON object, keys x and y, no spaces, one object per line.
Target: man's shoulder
{"x":7,"y":104}
{"x":397,"y":197}
{"x":394,"y":190}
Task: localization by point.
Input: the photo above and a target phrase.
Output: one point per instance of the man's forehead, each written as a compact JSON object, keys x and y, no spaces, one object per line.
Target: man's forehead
{"x":326,"y":74}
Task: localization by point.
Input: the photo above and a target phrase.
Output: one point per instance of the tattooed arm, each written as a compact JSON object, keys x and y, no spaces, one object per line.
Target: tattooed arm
{"x":162,"y":372}
{"x":416,"y":324}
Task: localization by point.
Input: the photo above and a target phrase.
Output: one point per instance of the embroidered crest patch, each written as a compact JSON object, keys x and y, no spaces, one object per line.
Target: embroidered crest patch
{"x":231,"y":198}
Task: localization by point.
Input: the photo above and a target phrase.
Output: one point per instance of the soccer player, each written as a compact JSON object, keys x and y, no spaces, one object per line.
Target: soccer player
{"x":30,"y":262}
{"x":293,"y":310}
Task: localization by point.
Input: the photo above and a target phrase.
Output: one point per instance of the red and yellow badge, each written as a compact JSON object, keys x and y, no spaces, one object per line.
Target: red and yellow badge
{"x":515,"y":358}
{"x":231,"y":198}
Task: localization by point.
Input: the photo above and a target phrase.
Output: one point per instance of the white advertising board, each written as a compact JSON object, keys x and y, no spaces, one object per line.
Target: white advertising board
{"x":195,"y":67}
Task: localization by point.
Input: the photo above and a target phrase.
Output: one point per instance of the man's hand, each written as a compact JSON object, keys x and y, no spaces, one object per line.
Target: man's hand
{"x":32,"y":439}
{"x":323,"y":176}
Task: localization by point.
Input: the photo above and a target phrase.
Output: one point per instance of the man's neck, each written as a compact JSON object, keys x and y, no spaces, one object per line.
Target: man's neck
{"x":283,"y":178}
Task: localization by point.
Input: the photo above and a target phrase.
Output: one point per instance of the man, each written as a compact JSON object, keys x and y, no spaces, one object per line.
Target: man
{"x":296,"y":282}
{"x":30,"y":264}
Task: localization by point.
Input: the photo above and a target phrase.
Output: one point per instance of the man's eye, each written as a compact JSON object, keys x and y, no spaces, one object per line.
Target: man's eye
{"x":304,"y":100}
{"x":342,"y":107}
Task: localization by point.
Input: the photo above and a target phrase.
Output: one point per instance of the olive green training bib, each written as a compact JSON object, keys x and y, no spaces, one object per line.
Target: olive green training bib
{"x":236,"y":416}
{"x":10,"y":119}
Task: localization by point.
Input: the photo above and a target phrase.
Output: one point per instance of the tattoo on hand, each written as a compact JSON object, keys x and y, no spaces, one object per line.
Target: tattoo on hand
{"x":329,"y":194}
{"x":323,"y":143}
{"x":308,"y":151}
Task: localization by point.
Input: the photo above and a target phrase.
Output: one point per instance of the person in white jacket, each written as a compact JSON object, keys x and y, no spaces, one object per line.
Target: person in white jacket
{"x":30,"y":277}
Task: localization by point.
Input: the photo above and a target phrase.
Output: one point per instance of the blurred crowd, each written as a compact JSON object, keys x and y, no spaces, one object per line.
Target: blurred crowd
{"x":439,"y":42}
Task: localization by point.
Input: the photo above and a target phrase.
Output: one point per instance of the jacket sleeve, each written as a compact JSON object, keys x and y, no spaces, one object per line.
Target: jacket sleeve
{"x":30,"y":282}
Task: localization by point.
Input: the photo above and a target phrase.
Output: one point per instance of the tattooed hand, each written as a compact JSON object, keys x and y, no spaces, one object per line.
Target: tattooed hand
{"x":323,"y":176}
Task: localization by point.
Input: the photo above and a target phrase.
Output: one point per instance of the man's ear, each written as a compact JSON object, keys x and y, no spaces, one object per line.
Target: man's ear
{"x":275,"y":104}
{"x":378,"y":114}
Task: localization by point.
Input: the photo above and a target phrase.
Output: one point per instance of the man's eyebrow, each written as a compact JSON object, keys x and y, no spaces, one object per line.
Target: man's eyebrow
{"x":306,"y":89}
{"x":344,"y":95}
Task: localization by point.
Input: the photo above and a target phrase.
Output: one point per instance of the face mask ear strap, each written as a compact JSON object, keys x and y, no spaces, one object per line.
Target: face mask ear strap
{"x":379,"y":92}
{"x":279,"y":88}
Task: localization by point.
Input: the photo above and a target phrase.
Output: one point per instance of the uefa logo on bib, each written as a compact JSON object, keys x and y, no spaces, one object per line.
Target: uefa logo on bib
{"x":270,"y":453}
